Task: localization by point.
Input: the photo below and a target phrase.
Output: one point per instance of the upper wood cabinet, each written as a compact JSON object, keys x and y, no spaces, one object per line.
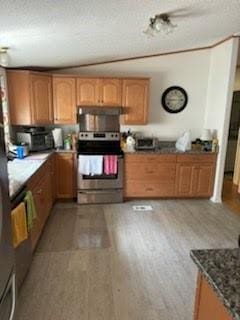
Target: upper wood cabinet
{"x":110,"y":93}
{"x":64,"y":100}
{"x":30,"y":97}
{"x":87,"y":92}
{"x":99,"y":92}
{"x":135,"y":101}
{"x":41,"y":98}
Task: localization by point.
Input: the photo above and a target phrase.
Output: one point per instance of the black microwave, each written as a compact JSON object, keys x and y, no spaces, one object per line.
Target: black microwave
{"x":37,"y":141}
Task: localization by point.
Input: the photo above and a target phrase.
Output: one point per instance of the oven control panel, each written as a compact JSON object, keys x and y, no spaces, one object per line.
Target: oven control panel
{"x":99,"y":136}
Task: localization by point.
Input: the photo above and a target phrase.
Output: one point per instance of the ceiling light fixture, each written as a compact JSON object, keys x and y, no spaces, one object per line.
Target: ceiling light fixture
{"x":4,"y":57}
{"x":161,"y":23}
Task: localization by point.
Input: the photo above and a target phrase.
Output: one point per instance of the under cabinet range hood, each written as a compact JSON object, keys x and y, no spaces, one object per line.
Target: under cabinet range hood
{"x":99,"y":119}
{"x":107,"y":111}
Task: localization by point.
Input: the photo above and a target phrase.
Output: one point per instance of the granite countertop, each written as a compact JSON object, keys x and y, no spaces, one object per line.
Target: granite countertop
{"x":21,"y":170}
{"x":221,"y":268}
{"x":168,"y":151}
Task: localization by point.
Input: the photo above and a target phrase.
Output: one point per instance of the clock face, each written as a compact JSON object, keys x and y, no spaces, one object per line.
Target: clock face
{"x":174,"y":99}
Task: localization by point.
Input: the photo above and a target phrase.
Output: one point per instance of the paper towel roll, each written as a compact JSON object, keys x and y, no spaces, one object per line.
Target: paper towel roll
{"x":57,"y":137}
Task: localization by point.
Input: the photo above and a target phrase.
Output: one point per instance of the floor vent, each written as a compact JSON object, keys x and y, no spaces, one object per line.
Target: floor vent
{"x":142,"y":208}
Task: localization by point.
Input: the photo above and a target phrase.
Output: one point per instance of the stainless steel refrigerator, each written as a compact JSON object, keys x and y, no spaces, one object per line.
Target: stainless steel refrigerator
{"x":7,"y":274}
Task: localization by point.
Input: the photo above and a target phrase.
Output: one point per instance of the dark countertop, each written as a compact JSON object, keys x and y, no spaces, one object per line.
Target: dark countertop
{"x":168,"y":151}
{"x":221,"y":268}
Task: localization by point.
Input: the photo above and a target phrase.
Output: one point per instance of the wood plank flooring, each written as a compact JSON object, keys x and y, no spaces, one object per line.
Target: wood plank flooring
{"x":231,"y":197}
{"x":108,"y":262}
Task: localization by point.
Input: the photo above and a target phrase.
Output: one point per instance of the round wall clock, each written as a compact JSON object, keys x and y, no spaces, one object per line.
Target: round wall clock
{"x":174,"y":99}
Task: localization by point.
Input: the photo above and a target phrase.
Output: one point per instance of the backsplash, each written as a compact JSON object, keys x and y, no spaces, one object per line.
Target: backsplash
{"x":67,"y":129}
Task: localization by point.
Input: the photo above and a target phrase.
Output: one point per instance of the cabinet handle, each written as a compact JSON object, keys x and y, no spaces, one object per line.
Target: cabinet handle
{"x":149,"y":172}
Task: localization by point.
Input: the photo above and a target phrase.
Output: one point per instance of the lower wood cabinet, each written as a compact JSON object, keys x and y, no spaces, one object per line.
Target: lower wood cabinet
{"x":169,"y":175}
{"x":149,"y":176}
{"x":65,"y":175}
{"x":195,"y":175}
{"x":207,"y":304}
{"x":41,"y":187}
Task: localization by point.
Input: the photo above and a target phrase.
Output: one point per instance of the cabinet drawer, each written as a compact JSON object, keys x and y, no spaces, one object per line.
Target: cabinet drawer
{"x":145,"y":171}
{"x":136,"y":188}
{"x":207,"y":158}
{"x":150,"y":158}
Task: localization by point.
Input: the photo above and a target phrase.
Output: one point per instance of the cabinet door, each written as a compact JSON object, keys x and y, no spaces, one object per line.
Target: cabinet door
{"x":41,"y":99}
{"x":135,"y":101}
{"x":64,"y":100}
{"x":207,"y":304}
{"x":19,"y":97}
{"x":42,"y":194}
{"x":186,"y":175}
{"x":64,"y":175}
{"x":87,"y":92}
{"x":53,"y":182}
{"x":110,"y":92}
{"x":205,"y":178}
{"x":37,"y":224}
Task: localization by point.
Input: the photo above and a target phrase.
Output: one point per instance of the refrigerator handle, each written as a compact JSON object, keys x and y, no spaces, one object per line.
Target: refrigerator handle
{"x":13,"y":290}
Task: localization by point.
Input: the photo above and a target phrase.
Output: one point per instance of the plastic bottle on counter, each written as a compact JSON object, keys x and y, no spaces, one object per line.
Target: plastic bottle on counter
{"x":67,"y":142}
{"x":215,"y":145}
{"x":74,"y":141}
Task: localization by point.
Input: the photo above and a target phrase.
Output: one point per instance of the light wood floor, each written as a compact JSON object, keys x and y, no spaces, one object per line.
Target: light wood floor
{"x":107,"y":262}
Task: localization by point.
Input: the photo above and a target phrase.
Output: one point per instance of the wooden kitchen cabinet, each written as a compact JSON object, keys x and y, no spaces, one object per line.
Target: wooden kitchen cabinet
{"x":87,"y":92}
{"x":135,"y":101}
{"x":64,"y":100}
{"x":207,"y":304}
{"x":30,"y":98}
{"x":65,"y":175}
{"x":110,"y":93}
{"x":53,"y":181}
{"x":41,"y":186}
{"x":169,"y":175}
{"x":195,"y":175}
{"x":149,"y":176}
{"x":99,"y":92}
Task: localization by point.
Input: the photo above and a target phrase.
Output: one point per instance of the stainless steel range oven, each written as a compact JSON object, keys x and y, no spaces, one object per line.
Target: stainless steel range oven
{"x":100,"y":136}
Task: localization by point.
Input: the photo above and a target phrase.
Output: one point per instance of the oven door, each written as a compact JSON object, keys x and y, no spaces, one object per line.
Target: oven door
{"x":87,"y":182}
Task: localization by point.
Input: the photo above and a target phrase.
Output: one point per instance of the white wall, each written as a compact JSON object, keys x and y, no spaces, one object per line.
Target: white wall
{"x":219,"y":100}
{"x":207,"y":76}
{"x":189,"y":70}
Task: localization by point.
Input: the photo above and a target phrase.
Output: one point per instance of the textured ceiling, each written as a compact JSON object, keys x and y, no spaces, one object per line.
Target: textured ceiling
{"x":58,"y":33}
